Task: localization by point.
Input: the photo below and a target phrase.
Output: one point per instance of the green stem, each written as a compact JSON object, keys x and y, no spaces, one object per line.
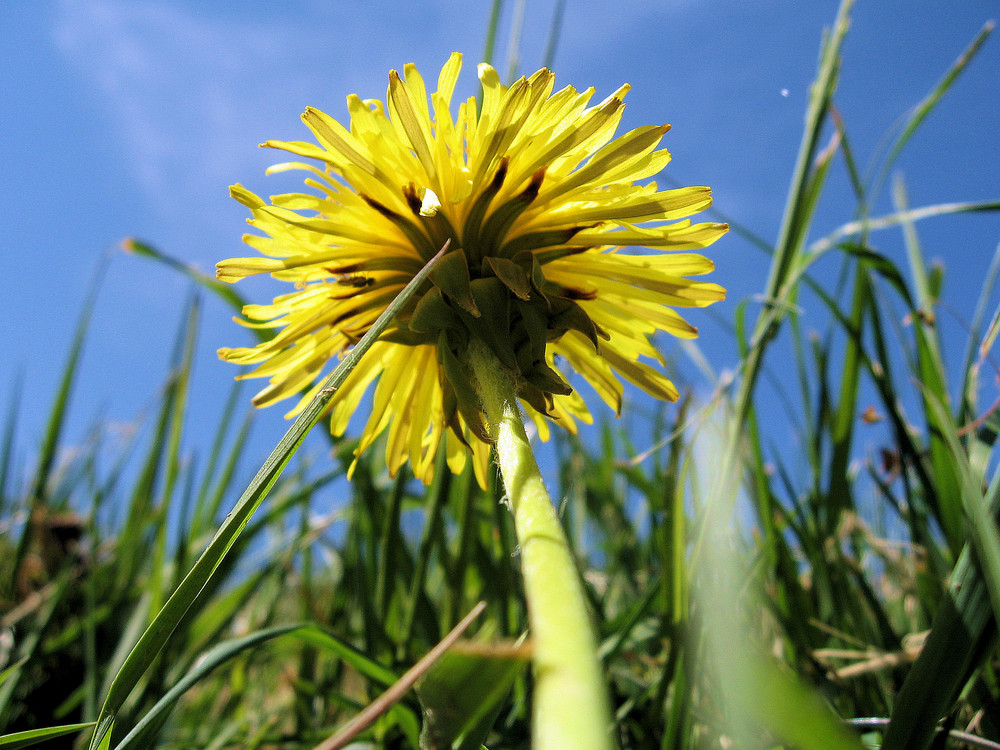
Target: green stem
{"x":570,"y":702}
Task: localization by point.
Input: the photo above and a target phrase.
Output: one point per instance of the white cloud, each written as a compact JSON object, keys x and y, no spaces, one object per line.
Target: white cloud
{"x":183,"y":91}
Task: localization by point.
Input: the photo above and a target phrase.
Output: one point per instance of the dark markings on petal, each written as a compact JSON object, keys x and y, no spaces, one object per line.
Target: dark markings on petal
{"x":381,"y":208}
{"x":500,"y":175}
{"x":420,"y":241}
{"x":503,"y":218}
{"x":540,"y":240}
{"x":549,"y":254}
{"x":577,"y":294}
{"x":412,"y":199}
{"x":344,"y":270}
{"x":344,"y":316}
{"x":534,"y":185}
{"x":472,"y":230}
{"x":341,"y":294}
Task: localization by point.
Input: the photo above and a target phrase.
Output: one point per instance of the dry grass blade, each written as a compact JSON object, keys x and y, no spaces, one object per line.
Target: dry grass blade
{"x":381,"y":704}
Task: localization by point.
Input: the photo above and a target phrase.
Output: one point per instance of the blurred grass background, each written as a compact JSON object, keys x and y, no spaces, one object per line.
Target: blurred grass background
{"x":749,"y":590}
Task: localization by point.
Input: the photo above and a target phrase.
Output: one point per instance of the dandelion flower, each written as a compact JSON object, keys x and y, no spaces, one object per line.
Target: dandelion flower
{"x":537,"y":200}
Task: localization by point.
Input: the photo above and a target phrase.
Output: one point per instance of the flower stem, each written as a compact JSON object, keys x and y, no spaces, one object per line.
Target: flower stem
{"x":570,"y":701}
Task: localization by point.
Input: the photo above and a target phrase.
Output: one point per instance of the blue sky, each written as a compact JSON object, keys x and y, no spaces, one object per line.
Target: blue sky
{"x":132,"y":117}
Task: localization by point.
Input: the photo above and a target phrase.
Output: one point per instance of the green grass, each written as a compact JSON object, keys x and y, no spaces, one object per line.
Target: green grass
{"x":747,"y":592}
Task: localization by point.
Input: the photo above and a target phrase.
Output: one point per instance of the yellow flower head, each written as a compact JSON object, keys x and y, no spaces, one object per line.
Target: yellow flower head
{"x":535,"y":197}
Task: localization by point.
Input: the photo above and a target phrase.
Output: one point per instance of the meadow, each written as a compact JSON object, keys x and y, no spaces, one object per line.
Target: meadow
{"x":746,"y":590}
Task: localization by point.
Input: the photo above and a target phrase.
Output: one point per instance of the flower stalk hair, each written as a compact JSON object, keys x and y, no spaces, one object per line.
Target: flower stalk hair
{"x":536,"y":202}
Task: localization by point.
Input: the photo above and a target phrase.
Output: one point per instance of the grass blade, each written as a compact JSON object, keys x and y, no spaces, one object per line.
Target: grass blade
{"x":798,"y":213}
{"x":205,"y":664}
{"x":963,"y":632}
{"x":34,"y":736}
{"x":934,"y":388}
{"x":492,"y":31}
{"x":514,"y":42}
{"x":894,"y":219}
{"x":920,"y":112}
{"x":391,"y":696}
{"x":555,"y":29}
{"x":187,"y":591}
{"x":222,"y":290}
{"x":7,"y":450}
{"x":964,"y":627}
{"x":57,"y":419}
{"x":358,"y":660}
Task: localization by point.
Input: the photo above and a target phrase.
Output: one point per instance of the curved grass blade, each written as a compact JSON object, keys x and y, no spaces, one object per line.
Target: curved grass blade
{"x":798,"y":210}
{"x":176,"y":607}
{"x":946,"y":464}
{"x":964,"y":628}
{"x":205,"y":664}
{"x":920,"y":112}
{"x":358,"y":660}
{"x":57,"y":419}
{"x":34,"y":736}
{"x":461,"y":694}
{"x":894,"y":219}
{"x":224,"y":291}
